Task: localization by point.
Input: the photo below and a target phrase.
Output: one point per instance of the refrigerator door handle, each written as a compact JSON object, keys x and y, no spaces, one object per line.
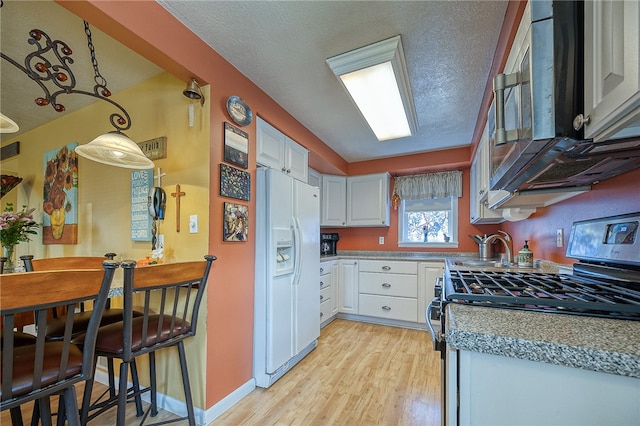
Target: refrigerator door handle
{"x":297,"y":243}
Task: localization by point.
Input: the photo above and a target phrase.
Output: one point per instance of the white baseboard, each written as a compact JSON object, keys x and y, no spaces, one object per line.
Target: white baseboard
{"x":178,"y":407}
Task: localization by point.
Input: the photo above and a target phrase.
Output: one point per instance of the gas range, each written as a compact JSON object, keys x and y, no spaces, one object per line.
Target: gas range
{"x":605,"y":280}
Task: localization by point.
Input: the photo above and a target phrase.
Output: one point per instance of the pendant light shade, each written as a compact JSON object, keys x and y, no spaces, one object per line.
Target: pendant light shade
{"x":7,"y":125}
{"x":115,"y":149}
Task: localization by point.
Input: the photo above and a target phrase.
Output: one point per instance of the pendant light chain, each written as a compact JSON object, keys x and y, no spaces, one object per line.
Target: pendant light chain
{"x":100,"y":81}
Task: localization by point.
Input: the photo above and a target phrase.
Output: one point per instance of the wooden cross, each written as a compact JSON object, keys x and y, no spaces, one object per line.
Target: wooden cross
{"x":177,"y":196}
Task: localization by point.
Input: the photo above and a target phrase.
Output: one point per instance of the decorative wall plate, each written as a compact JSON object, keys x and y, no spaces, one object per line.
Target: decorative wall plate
{"x":239,"y":111}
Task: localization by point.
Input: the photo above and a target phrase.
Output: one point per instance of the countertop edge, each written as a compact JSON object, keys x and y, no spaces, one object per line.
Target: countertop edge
{"x":483,"y":330}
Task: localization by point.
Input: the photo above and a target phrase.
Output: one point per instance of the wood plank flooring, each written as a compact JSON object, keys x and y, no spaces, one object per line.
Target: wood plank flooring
{"x":360,"y":374}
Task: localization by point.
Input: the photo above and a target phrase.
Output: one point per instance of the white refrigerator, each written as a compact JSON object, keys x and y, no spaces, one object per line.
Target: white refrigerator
{"x":287,"y":290}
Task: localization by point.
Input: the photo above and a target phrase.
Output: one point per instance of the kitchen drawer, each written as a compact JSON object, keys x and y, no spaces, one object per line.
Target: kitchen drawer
{"x":325,"y":268}
{"x":325,"y":281}
{"x":389,"y":284}
{"x":325,"y":310}
{"x":325,"y":294}
{"x":398,"y":308}
{"x":389,"y":267}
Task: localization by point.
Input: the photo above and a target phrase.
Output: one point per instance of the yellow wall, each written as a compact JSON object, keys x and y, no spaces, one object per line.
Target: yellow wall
{"x":157,"y":108}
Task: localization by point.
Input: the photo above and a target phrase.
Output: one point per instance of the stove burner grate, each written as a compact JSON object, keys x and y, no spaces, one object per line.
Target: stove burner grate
{"x":545,"y":292}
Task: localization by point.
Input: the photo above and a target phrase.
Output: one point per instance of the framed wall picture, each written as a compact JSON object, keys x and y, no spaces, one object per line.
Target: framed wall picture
{"x":234,"y":183}
{"x":236,"y":146}
{"x":236,"y":222}
{"x":60,"y":196}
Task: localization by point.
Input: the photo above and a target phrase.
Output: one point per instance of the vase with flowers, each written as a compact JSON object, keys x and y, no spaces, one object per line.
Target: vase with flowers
{"x":15,"y":227}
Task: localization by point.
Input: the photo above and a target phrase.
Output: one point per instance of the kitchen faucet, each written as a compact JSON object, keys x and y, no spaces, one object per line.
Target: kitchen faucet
{"x":484,"y":245}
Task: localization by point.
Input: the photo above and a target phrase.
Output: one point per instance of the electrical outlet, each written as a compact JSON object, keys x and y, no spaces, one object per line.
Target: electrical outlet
{"x":380,"y":240}
{"x":193,"y":224}
{"x":560,"y":237}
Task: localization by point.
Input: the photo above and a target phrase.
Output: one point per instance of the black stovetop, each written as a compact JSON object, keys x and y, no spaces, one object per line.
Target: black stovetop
{"x":544,"y":292}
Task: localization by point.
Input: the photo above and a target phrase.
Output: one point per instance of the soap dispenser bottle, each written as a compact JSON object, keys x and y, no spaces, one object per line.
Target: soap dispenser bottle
{"x":525,"y":256}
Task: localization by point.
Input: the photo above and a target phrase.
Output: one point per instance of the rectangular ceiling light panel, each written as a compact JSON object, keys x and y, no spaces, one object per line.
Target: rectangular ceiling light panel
{"x":377,"y":81}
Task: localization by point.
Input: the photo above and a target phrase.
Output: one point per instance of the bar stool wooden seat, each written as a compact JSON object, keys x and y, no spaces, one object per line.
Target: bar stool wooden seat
{"x":37,"y":371}
{"x":170,"y":294}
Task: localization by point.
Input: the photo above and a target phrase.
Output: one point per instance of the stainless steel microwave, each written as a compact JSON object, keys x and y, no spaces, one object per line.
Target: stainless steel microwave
{"x":534,"y":145}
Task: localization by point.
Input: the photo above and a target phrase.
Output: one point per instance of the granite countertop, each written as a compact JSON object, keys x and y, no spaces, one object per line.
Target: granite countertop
{"x":598,"y":344}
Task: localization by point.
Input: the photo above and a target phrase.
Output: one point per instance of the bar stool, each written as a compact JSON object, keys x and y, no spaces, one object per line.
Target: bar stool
{"x":37,"y":371}
{"x":170,"y":316}
{"x":55,"y":328}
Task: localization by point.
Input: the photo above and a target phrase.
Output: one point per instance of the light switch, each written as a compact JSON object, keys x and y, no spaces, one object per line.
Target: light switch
{"x":193,"y":224}
{"x":560,"y":237}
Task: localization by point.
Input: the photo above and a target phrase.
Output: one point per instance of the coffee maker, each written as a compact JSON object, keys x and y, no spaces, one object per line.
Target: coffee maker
{"x":328,"y":244}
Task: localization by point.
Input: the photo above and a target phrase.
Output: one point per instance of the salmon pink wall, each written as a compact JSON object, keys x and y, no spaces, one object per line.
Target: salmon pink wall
{"x":612,"y":197}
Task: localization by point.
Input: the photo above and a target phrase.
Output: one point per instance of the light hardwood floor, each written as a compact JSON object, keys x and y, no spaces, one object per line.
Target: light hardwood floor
{"x":360,"y":374}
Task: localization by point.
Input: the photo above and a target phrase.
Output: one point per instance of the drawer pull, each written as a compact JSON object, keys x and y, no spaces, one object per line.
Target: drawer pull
{"x":321,"y":283}
{"x":321,"y":297}
{"x":386,"y":308}
{"x":321,"y":270}
{"x":386,"y":285}
{"x":321,"y":314}
{"x":386,"y":268}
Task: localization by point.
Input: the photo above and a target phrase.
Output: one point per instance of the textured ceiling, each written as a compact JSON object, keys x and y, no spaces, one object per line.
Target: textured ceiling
{"x":282,"y":47}
{"x":119,"y":65}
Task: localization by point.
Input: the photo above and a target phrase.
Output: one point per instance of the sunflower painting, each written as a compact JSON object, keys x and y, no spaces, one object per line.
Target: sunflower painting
{"x":60,"y":196}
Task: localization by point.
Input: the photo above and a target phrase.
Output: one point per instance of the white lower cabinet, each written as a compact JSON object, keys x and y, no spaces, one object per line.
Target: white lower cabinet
{"x":389,"y":290}
{"x":428,"y":274}
{"x":395,"y":292}
{"x":536,"y":393}
{"x":348,"y":286}
{"x":328,"y":293}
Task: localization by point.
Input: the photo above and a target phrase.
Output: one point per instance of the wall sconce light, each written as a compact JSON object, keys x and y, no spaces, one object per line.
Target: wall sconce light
{"x":376,"y":78}
{"x":114,"y":148}
{"x":193,"y":92}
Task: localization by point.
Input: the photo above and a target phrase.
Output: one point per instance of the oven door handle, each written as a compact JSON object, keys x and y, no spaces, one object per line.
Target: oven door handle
{"x":437,"y":343}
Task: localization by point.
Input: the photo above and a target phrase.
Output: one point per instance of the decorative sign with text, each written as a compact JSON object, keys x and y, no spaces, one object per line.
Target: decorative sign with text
{"x":141,"y":183}
{"x":154,"y":148}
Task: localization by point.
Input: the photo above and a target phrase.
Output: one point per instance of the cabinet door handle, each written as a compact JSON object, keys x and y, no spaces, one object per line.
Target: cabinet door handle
{"x":386,"y":268}
{"x":284,"y":169}
{"x":386,"y":285}
{"x":386,"y":308}
{"x":288,"y":170}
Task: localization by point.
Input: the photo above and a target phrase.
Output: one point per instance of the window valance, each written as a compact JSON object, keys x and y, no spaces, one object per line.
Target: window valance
{"x":429,"y":185}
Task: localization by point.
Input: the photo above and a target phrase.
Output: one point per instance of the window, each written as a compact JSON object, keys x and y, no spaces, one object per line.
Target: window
{"x":429,"y":222}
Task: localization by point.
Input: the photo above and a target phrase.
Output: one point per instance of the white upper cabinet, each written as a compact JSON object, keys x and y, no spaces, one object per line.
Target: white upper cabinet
{"x":479,"y":185}
{"x":355,"y":200}
{"x":612,"y":72}
{"x":277,"y":151}
{"x":333,"y":207}
{"x":368,"y":200}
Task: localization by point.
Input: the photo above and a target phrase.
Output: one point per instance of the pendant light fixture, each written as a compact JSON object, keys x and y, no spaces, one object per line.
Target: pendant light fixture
{"x":193,"y":92}
{"x":113,"y":148}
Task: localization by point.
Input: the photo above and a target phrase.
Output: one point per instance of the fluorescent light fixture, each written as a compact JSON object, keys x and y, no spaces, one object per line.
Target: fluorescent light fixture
{"x":377,"y":81}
